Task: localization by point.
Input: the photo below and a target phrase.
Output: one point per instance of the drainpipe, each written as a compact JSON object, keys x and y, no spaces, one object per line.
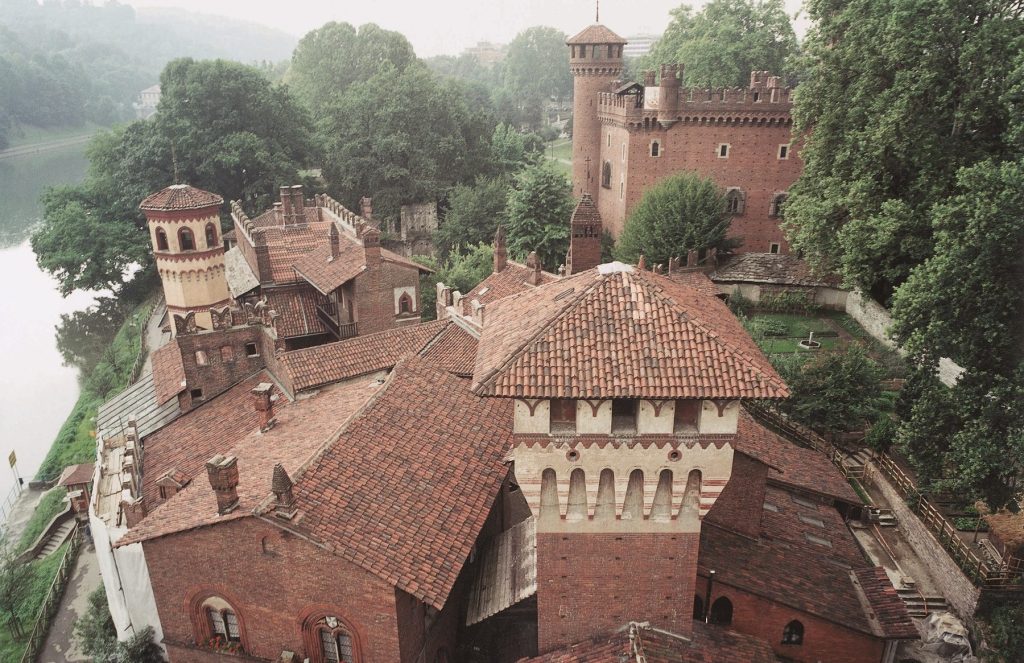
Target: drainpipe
{"x":707,"y":597}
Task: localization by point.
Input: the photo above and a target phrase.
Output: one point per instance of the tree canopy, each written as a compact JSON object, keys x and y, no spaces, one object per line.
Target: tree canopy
{"x":727,"y":39}
{"x":681,"y":213}
{"x":539,"y":207}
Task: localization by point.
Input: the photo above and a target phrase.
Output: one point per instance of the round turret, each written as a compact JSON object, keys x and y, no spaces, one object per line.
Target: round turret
{"x":595,"y":60}
{"x":184,"y":229}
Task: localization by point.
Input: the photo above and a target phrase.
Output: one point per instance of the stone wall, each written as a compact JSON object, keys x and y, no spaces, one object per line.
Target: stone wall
{"x":959,"y":591}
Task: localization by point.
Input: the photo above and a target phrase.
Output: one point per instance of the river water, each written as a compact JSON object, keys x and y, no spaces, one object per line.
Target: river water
{"x":37,"y":391}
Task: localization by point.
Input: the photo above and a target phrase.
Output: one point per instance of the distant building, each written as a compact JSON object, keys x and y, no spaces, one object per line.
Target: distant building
{"x":487,"y":53}
{"x":639,"y":45}
{"x":146,"y":105}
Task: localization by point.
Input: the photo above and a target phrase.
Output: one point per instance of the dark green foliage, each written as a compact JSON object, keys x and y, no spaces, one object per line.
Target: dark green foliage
{"x":727,"y":39}
{"x":678,"y":214}
{"x":459,"y":271}
{"x":95,"y":630}
{"x":474,"y":214}
{"x":15,"y":587}
{"x":140,"y":648}
{"x":539,"y":206}
{"x":1004,"y":630}
{"x":832,"y":392}
{"x":882,"y":435}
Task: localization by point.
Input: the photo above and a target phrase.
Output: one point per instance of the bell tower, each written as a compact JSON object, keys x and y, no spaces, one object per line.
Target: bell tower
{"x":184,"y":228}
{"x":595,"y":60}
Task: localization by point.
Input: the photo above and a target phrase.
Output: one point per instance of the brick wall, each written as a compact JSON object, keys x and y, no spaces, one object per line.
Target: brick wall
{"x":823,"y":640}
{"x":959,"y":591}
{"x":272,"y":579}
{"x":375,"y":296}
{"x":753,"y":165}
{"x":588,"y":584}
{"x":223,"y":367}
{"x":742,"y":500}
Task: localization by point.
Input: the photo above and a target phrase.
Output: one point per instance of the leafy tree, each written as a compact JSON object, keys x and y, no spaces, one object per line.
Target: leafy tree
{"x":460,"y":271}
{"x":727,"y":39}
{"x":474,"y":214}
{"x":328,"y":60}
{"x":140,"y":648}
{"x":95,"y":630}
{"x":833,"y":392}
{"x":895,"y":97}
{"x":463,"y":67}
{"x":681,"y":213}
{"x":84,"y":336}
{"x":512,"y":150}
{"x":539,"y":207}
{"x":15,"y":585}
{"x":535,"y":68}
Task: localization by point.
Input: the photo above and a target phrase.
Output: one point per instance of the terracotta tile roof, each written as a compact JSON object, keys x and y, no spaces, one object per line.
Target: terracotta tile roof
{"x":327,"y":274}
{"x":168,"y":372}
{"x":790,"y":464}
{"x":296,"y":311}
{"x":74,"y":475}
{"x":805,"y":526}
{"x":498,"y":285}
{"x":454,"y":350}
{"x":180,"y":197}
{"x":303,"y":426}
{"x":773,"y":268}
{"x":708,"y":644}
{"x":812,"y":581}
{"x":187,"y":443}
{"x":596,"y":34}
{"x":331,"y":362}
{"x":889,"y":610}
{"x":406,"y":488}
{"x":619,"y":331}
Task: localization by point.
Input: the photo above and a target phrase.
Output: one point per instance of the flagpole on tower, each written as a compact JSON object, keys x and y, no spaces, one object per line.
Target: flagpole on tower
{"x":597,"y":11}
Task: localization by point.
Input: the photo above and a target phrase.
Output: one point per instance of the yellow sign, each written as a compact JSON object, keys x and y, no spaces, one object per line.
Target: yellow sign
{"x":12,"y":459}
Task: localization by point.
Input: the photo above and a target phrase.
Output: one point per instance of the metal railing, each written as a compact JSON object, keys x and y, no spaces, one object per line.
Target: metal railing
{"x":44,"y":618}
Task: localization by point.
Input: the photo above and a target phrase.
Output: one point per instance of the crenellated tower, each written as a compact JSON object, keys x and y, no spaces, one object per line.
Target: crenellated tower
{"x":184,"y":228}
{"x":595,"y":60}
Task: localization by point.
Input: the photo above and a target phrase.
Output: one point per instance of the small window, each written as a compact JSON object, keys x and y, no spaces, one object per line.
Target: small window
{"x":336,"y":646}
{"x":186,"y":240}
{"x":723,"y":151}
{"x":784,"y":151}
{"x":163,"y":492}
{"x":217,"y":626}
{"x":211,"y":236}
{"x":757,"y":97}
{"x":606,"y":174}
{"x":777,"y":205}
{"x":686,"y":414}
{"x":161,"y":240}
{"x":655,"y":148}
{"x":793,"y":634}
{"x":622,"y":189}
{"x":224,"y":624}
{"x":774,"y":247}
{"x":609,"y":141}
{"x":405,"y":304}
{"x":227,"y":354}
{"x":735,"y":201}
{"x":624,"y":415}
{"x":563,"y":415}
{"x":251,"y":350}
{"x":196,"y":394}
{"x":721,"y":612}
{"x":201,"y":358}
{"x":623,"y":151}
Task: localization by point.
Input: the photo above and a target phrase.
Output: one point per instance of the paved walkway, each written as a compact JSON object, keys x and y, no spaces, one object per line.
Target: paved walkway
{"x":60,"y":645}
{"x":20,"y":513}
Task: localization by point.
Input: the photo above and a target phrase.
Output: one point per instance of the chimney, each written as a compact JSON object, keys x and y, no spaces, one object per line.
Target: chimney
{"x":298,"y":205}
{"x":264,"y":402}
{"x":133,"y":512}
{"x":500,"y":253}
{"x":649,"y":78}
{"x":335,"y":241}
{"x":533,"y":262}
{"x":223,"y":473}
{"x":281,"y":486}
{"x":366,"y":207}
{"x":641,"y":264}
{"x":371,"y":246}
{"x":692,"y":258}
{"x":286,"y":205}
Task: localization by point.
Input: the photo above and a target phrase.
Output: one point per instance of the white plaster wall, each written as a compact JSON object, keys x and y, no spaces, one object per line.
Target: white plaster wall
{"x":537,"y":422}
{"x":588,"y":423}
{"x":650,"y":423}
{"x":711,"y":422}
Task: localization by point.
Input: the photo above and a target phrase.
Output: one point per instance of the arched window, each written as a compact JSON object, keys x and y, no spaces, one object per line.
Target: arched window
{"x":606,"y":174}
{"x":186,"y":242}
{"x":698,"y":607}
{"x":161,"y":240}
{"x":211,"y":236}
{"x":777,"y":205}
{"x":404,"y":304}
{"x":735,"y":201}
{"x":721,"y":611}
{"x":335,"y":641}
{"x":223,"y":624}
{"x":793,"y":634}
{"x":215,"y":624}
{"x":655,"y":148}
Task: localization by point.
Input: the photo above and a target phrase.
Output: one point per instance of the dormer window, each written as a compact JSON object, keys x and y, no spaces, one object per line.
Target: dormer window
{"x":624,"y":416}
{"x":563,"y":415}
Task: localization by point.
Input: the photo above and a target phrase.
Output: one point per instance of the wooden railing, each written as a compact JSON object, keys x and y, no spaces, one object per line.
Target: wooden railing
{"x":802,"y":435}
{"x":41,"y":627}
{"x":983,"y":572}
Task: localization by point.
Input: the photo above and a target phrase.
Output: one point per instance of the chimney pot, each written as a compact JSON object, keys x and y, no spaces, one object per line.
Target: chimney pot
{"x":500,"y":252}
{"x":366,"y":207}
{"x":223,"y":474}
{"x":281,"y":486}
{"x":263,"y":401}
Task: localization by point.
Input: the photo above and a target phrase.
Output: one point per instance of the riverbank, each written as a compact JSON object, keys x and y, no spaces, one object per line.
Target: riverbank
{"x":30,"y":140}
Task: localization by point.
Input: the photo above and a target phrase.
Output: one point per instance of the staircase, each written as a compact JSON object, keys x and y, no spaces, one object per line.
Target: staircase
{"x":919,"y":605}
{"x":56,"y":538}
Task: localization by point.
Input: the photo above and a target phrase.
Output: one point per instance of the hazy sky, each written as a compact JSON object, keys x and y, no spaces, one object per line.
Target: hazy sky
{"x":446,"y":26}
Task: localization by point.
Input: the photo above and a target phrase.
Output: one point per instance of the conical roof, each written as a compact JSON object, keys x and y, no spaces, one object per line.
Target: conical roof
{"x":180,"y":197}
{"x":596,"y":34}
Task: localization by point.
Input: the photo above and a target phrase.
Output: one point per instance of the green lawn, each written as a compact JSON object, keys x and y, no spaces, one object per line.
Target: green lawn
{"x":559,"y":153}
{"x":49,"y":506}
{"x":40,"y":578}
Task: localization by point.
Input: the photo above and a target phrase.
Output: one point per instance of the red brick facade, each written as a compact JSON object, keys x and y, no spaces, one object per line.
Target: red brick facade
{"x":589,"y":584}
{"x":822,"y":640}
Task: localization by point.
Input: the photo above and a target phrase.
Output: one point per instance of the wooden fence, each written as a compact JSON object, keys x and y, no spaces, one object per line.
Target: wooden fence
{"x":802,"y":435}
{"x":41,"y":627}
